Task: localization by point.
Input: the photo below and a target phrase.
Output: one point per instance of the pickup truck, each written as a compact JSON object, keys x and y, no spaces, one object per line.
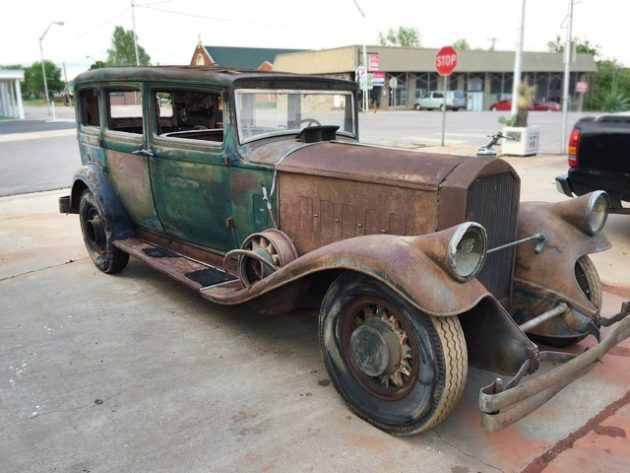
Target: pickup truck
{"x":599,"y":158}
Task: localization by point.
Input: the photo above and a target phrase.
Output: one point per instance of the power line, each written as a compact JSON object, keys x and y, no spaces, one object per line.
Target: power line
{"x":101,"y":23}
{"x":214,"y":18}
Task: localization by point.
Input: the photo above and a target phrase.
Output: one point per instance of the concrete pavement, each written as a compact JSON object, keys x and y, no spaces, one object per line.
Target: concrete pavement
{"x":137,"y":373}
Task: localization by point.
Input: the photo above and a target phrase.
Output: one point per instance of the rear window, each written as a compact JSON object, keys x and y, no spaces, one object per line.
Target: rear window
{"x":89,"y":107}
{"x":125,"y":110}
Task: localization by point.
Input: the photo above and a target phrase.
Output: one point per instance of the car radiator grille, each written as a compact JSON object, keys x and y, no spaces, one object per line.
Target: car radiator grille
{"x":493,"y":202}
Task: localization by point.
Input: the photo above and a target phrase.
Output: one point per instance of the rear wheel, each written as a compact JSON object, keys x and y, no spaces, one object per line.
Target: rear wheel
{"x":97,"y":236}
{"x":417,"y":107}
{"x":396,"y":367}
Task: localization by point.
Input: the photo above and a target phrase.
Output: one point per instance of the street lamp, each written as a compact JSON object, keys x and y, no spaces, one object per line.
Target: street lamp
{"x":41,"y":50}
{"x":365,"y":64}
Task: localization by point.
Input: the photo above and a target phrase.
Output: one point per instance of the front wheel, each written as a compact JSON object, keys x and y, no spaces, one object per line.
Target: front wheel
{"x":396,"y":367}
{"x":97,"y":236}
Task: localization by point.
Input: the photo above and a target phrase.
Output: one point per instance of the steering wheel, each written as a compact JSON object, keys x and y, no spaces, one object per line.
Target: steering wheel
{"x":309,"y":120}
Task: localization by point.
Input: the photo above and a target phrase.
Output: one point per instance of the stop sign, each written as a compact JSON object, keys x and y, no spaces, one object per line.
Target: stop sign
{"x":446,"y":60}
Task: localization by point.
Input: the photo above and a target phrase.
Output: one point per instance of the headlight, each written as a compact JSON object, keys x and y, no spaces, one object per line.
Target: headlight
{"x":596,"y":212}
{"x":466,"y":251}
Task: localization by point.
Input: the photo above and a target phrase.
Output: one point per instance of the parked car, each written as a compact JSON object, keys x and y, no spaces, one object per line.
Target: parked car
{"x":506,"y":105}
{"x":599,"y":158}
{"x":455,"y":100}
{"x":253,"y":188}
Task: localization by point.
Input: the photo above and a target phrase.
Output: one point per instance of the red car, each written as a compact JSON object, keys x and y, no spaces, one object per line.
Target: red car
{"x":506,"y":106}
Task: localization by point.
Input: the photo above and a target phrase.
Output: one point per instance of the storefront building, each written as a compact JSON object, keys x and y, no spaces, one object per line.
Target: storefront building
{"x":484,"y":76}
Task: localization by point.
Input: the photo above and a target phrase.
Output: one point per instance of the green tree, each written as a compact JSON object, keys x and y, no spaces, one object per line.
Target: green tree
{"x":99,"y":64}
{"x":581,"y":46}
{"x":403,"y":36}
{"x":609,"y":85}
{"x":122,"y":52}
{"x":461,"y":44}
{"x":34,"y":80}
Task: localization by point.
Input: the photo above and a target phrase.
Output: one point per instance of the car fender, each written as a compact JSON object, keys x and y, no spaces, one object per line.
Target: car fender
{"x":91,"y":176}
{"x":546,"y":278}
{"x":410,"y":265}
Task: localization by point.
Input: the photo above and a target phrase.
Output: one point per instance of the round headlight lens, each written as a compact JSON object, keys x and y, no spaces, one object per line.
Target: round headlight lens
{"x":466,"y":251}
{"x":597,"y":212}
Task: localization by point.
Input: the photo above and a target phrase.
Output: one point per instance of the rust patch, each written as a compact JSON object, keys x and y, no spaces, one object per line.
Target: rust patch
{"x":540,"y":463}
{"x":610,"y":430}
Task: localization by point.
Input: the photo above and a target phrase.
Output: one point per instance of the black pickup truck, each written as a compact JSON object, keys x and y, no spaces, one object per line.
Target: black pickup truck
{"x":599,"y":158}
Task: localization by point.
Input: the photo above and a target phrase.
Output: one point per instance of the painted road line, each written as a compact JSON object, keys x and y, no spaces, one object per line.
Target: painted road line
{"x":37,"y":135}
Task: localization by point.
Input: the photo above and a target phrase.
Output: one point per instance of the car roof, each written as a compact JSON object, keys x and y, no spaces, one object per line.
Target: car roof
{"x":216,"y":74}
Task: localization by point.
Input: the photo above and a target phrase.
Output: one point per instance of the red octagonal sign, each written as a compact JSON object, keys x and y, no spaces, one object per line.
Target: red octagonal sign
{"x":446,"y":60}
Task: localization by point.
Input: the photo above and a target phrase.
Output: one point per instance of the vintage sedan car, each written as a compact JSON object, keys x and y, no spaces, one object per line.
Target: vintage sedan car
{"x":253,"y":188}
{"x":599,"y":158}
{"x":536,"y":105}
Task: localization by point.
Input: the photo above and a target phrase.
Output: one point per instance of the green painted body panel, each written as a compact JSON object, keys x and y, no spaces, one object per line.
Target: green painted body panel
{"x":190,"y":190}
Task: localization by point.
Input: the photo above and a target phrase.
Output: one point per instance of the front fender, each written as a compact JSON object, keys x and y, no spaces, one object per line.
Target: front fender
{"x":411,"y":266}
{"x":543,"y":280}
{"x":91,"y":176}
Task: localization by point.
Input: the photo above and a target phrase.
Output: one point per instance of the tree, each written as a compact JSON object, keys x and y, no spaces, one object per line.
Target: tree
{"x":404,"y":37}
{"x":34,"y":80}
{"x":101,"y":64}
{"x":609,"y":87}
{"x":122,"y":52}
{"x":461,"y":44}
{"x":581,"y":46}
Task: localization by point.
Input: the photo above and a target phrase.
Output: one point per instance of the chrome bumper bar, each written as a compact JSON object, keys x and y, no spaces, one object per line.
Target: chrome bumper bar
{"x":504,"y":405}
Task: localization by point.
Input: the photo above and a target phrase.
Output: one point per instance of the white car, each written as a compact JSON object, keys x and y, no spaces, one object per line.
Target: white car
{"x":455,"y":100}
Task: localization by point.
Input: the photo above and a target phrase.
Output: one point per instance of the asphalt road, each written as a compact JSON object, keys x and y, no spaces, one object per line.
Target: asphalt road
{"x":31,"y":161}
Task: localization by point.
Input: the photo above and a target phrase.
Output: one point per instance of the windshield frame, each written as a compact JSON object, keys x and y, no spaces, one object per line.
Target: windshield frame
{"x":239,"y":91}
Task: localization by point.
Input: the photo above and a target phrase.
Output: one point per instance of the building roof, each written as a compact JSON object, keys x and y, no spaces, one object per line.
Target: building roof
{"x":252,"y":58}
{"x":397,"y":59}
{"x":12,"y":74}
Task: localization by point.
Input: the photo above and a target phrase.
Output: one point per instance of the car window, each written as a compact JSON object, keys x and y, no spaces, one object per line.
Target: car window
{"x":438,"y":95}
{"x":267,"y":112}
{"x":189,"y":114}
{"x":89,"y":107}
{"x":125,"y":110}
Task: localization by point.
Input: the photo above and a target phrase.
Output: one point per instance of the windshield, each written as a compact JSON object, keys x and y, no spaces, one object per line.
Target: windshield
{"x":261,"y":113}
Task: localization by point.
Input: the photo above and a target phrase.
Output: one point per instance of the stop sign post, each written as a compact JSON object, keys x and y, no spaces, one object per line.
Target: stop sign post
{"x":445,"y":64}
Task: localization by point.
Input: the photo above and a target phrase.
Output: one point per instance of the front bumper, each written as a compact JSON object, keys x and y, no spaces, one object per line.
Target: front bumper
{"x":504,"y":404}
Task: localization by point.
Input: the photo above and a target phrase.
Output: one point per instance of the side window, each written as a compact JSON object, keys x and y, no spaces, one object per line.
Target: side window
{"x":190,"y":115}
{"x":89,"y":107}
{"x":125,"y":110}
{"x":438,"y":95}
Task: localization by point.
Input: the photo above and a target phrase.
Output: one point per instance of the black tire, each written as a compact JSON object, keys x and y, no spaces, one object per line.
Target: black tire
{"x":442,"y":108}
{"x":590,"y":284}
{"x":434,"y":348}
{"x":97,"y":236}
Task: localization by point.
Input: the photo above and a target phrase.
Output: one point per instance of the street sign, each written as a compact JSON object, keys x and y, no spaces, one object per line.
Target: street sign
{"x":378,"y":78}
{"x":445,"y":64}
{"x":374,"y":63}
{"x":581,"y":87}
{"x":446,"y":60}
{"x":393,"y":83}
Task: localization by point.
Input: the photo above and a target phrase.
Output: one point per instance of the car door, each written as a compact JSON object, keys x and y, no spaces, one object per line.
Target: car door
{"x":189,"y":169}
{"x":127,"y":160}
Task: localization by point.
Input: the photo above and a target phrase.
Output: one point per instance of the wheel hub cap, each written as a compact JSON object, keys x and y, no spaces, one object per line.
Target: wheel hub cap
{"x":375,"y":348}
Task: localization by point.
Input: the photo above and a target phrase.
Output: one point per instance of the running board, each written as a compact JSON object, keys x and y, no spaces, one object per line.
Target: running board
{"x":192,"y":273}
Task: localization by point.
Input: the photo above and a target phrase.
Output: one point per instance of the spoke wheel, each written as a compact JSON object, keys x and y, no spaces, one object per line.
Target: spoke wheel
{"x":396,"y":367}
{"x":96,"y":235}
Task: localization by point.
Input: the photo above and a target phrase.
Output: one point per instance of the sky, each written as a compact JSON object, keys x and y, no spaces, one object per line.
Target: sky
{"x":170,"y":38}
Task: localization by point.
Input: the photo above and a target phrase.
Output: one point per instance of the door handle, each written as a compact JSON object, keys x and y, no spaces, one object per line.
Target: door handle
{"x":143,"y":152}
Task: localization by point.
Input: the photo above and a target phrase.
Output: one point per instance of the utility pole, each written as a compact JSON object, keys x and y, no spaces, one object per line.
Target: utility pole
{"x":41,"y":50}
{"x":365,"y":63}
{"x":567,"y":74}
{"x":135,"y":36}
{"x":493,"y":42}
{"x":518,"y":60}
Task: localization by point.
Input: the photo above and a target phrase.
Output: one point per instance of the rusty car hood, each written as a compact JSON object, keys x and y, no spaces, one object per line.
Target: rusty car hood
{"x":376,"y":164}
